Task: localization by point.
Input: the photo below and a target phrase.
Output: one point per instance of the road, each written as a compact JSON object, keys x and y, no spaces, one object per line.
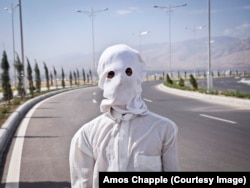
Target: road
{"x":231,"y":84}
{"x":211,"y":137}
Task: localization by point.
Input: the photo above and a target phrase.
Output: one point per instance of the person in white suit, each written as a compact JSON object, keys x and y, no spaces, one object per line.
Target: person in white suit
{"x":126,"y":136}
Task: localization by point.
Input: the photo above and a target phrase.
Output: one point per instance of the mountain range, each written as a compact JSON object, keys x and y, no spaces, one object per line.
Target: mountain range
{"x":227,"y":53}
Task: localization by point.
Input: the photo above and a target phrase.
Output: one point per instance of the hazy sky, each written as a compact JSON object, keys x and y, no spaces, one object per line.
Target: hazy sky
{"x":54,"y":32}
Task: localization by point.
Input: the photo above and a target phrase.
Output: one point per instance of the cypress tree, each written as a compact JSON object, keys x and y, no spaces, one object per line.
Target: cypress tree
{"x":70,"y":79}
{"x":74,"y":73}
{"x":46,"y":75}
{"x":193,"y":82}
{"x":19,"y":69}
{"x":169,"y":81}
{"x":38,"y":78}
{"x":181,"y":82}
{"x":55,"y":74}
{"x":6,"y":86}
{"x":78,"y":77}
{"x":63,"y":81}
{"x":90,"y":76}
{"x":51,"y":79}
{"x":83,"y":76}
{"x":30,"y":78}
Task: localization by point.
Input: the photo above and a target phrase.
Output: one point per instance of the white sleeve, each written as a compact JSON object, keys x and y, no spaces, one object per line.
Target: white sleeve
{"x":170,"y":153}
{"x":81,"y":161}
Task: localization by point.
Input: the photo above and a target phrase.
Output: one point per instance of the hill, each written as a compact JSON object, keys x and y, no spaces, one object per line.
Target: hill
{"x":226,"y":53}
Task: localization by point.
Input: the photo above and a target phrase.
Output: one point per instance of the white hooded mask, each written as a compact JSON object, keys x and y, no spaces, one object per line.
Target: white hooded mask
{"x":121,"y":73}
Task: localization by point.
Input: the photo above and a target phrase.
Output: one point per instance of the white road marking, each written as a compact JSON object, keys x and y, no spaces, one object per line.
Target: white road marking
{"x":147,"y":100}
{"x":94,"y":93}
{"x":13,"y":175}
{"x":220,"y":119}
{"x":94,"y":101}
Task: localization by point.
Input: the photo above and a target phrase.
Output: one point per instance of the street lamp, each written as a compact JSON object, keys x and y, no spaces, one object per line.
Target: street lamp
{"x":169,"y":9}
{"x":209,"y":75}
{"x":22,"y":49}
{"x":11,"y":11}
{"x":140,"y":38}
{"x":194,"y":29}
{"x":91,"y":13}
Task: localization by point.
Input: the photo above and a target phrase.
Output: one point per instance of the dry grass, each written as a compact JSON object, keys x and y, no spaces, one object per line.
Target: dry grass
{"x":6,"y":115}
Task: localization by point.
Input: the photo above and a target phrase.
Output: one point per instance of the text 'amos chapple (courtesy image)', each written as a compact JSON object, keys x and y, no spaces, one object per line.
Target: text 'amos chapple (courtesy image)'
{"x":174,"y":179}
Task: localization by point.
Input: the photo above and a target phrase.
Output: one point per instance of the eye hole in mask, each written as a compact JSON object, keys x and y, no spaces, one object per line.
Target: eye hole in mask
{"x":129,"y":71}
{"x":111,"y":74}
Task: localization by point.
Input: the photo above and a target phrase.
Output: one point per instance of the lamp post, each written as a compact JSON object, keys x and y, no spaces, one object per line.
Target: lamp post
{"x":140,"y":38}
{"x":209,"y":75}
{"x":91,"y":13}
{"x":140,"y":35}
{"x":11,"y":11}
{"x":194,"y":29}
{"x":169,"y":9}
{"x":22,"y":48}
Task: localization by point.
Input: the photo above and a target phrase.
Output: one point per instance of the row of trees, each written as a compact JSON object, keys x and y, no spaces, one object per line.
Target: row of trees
{"x":181,"y":81}
{"x":35,"y":84}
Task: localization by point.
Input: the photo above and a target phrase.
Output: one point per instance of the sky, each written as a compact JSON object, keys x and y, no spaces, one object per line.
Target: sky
{"x":55,"y":33}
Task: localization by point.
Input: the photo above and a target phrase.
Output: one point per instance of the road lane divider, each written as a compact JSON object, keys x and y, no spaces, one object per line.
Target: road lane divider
{"x":147,"y":100}
{"x":219,"y":119}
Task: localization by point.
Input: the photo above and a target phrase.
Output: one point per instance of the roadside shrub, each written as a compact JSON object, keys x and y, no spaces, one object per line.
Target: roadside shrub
{"x":236,"y":94}
{"x":193,"y":82}
{"x":169,"y":81}
{"x":5,"y":109}
{"x":181,"y":82}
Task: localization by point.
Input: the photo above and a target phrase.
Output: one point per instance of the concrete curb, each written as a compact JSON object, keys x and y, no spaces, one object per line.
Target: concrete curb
{"x":230,"y":101}
{"x":8,"y":129}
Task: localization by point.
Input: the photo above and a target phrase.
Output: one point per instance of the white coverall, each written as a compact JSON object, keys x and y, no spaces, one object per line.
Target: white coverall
{"x":126,"y":137}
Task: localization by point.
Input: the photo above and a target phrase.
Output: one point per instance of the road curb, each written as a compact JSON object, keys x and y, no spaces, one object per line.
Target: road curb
{"x":230,"y":101}
{"x":8,"y":129}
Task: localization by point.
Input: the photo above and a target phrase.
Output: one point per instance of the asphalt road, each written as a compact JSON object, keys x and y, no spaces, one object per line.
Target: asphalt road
{"x":211,"y":137}
{"x":231,"y":84}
